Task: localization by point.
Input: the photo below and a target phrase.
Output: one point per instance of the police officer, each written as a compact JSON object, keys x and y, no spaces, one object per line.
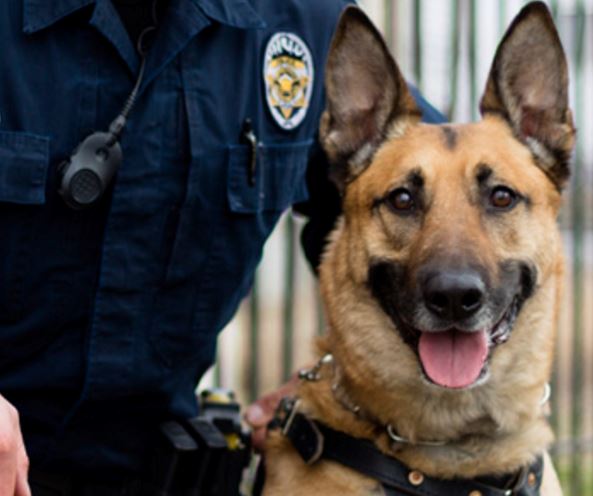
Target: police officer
{"x":113,"y":289}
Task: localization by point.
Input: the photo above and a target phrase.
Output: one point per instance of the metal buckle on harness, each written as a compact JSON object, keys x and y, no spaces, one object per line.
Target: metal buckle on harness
{"x":290,"y":407}
{"x":303,"y":432}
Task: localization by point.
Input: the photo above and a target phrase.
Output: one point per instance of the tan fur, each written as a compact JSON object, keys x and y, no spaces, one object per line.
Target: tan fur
{"x":381,"y":372}
{"x":495,"y":427}
{"x":519,"y":369}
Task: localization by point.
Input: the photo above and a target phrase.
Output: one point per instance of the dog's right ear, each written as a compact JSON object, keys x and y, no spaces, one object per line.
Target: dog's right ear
{"x":367,"y":97}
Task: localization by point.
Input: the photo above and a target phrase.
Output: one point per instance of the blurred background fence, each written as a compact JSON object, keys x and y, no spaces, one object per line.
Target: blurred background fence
{"x":445,"y":47}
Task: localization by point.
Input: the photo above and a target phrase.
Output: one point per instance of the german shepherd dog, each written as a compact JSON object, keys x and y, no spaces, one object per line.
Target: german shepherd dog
{"x":442,"y":280}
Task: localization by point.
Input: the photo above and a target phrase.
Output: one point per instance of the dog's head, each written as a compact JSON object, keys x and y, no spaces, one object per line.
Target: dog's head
{"x":448,"y":232}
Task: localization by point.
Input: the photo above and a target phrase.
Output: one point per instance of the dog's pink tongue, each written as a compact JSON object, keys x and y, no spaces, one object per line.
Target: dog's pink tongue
{"x":453,"y":359}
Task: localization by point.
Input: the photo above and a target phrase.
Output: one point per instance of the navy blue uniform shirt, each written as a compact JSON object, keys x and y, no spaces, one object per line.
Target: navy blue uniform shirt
{"x":109,"y":316}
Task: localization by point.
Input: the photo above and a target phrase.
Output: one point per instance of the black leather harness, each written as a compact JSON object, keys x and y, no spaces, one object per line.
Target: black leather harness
{"x":315,"y":441}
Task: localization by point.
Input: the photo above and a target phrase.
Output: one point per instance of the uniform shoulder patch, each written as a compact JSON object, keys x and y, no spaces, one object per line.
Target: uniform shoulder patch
{"x":288,"y":76}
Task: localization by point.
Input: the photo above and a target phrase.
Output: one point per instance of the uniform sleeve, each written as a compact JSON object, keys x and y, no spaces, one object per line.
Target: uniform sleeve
{"x":324,"y":204}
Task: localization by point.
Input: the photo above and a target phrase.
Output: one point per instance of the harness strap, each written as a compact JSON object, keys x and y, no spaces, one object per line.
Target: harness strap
{"x":315,"y":441}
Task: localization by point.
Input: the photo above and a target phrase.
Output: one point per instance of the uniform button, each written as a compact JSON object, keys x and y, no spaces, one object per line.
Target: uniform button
{"x":416,"y":478}
{"x":531,"y":479}
{"x":475,"y":493}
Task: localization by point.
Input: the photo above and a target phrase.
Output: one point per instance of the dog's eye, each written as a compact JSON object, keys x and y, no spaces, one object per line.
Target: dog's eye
{"x":401,"y":200}
{"x":503,"y":198}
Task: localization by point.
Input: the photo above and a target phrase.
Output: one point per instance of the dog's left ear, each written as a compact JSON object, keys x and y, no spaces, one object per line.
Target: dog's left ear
{"x":367,"y":97}
{"x":528,"y":86}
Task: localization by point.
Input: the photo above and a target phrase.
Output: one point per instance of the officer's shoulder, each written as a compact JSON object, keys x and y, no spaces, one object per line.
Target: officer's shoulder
{"x":318,"y":7}
{"x":318,"y":12}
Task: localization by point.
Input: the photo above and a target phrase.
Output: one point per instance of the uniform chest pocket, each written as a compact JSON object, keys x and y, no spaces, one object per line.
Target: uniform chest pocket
{"x":253,"y":211}
{"x":24,"y":160}
{"x":219,"y":241}
{"x":270,"y":179}
{"x":23,"y":168}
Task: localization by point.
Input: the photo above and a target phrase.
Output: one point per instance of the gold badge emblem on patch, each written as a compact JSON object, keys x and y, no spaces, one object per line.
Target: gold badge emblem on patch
{"x":288,"y":75}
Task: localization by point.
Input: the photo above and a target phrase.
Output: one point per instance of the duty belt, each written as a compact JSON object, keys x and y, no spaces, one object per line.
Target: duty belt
{"x":315,"y":441}
{"x":50,"y":484}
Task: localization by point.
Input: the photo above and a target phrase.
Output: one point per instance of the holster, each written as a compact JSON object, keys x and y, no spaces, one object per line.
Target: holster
{"x":202,"y":456}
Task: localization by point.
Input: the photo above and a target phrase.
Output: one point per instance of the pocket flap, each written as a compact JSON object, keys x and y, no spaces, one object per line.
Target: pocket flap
{"x":279,"y":177}
{"x":23,"y":167}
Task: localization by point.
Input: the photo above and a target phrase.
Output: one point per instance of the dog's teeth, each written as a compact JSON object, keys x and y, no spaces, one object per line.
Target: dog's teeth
{"x":501,"y":334}
{"x":503,"y":338}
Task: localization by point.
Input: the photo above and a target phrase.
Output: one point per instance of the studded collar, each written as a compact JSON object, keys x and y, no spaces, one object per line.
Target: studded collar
{"x":315,"y":441}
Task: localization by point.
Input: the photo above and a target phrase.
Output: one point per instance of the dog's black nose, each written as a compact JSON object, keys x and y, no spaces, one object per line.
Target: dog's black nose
{"x":454,"y":295}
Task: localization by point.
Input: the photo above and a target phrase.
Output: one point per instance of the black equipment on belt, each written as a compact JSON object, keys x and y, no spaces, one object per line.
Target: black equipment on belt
{"x":201,"y":456}
{"x":220,"y":408}
{"x":181,"y":459}
{"x":86,"y":174}
{"x":315,"y":441}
